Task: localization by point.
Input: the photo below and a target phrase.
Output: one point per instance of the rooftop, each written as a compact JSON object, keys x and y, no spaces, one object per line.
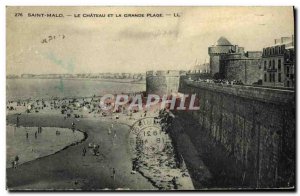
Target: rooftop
{"x":222,"y":41}
{"x":287,"y":41}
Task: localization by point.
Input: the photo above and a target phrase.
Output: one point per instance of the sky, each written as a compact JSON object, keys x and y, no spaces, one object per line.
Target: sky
{"x":133,"y":44}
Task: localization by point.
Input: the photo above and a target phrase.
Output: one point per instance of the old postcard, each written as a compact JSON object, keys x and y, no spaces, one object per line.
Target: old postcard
{"x":150,"y":98}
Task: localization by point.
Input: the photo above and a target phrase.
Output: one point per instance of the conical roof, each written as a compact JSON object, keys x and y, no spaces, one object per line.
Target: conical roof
{"x":222,"y":41}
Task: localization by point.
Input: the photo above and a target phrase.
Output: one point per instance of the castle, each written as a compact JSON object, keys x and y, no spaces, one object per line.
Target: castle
{"x":231,"y":62}
{"x":273,"y":66}
{"x":253,"y":127}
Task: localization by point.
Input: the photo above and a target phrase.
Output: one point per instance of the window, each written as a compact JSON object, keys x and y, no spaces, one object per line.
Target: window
{"x":279,"y":64}
{"x":270,"y":77}
{"x":279,"y":77}
{"x":265,"y":77}
{"x":265,"y":65}
{"x":273,"y":67}
{"x":270,"y":64}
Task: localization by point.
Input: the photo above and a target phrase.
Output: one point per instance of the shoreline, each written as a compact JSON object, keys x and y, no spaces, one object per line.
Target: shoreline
{"x":79,"y":173}
{"x":88,"y":79}
{"x":85,"y":136}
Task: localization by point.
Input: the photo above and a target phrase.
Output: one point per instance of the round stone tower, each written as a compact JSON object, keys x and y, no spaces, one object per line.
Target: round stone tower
{"x":222,"y":46}
{"x":162,"y":82}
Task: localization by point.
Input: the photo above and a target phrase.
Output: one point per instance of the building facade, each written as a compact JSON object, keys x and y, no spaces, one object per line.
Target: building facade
{"x":279,"y":63}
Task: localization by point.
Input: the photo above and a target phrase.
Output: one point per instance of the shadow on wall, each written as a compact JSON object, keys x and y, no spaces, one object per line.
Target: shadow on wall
{"x":208,"y":163}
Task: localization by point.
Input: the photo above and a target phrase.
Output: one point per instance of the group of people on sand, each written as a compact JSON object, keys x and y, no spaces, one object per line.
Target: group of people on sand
{"x":72,"y":107}
{"x":39,"y":131}
{"x":95,"y":149}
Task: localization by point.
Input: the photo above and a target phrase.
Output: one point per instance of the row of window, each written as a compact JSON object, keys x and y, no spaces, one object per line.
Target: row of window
{"x":273,"y":50}
{"x":272,"y":77}
{"x":272,"y":64}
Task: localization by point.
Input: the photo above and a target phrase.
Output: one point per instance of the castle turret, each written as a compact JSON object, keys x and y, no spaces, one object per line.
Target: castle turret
{"x":162,"y":82}
{"x":222,"y":46}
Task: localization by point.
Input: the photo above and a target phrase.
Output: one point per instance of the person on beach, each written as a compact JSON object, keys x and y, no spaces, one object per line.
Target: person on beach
{"x":174,"y":183}
{"x":27,"y":135}
{"x":96,"y":150}
{"x":83,"y":151}
{"x":113,"y":173}
{"x":73,"y":126}
{"x":134,"y":166}
{"x":17,"y":158}
{"x":35,"y":135}
{"x":18,"y":121}
{"x":109,"y":131}
{"x":16,"y":161}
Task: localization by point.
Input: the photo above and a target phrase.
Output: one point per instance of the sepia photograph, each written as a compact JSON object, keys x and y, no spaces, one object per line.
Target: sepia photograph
{"x":150,"y":98}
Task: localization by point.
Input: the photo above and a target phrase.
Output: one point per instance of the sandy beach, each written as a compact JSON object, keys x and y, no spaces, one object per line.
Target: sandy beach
{"x":78,"y":166}
{"x":68,"y":169}
{"x":30,"y":143}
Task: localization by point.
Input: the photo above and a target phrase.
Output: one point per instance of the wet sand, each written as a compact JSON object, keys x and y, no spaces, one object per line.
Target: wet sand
{"x":68,"y":169}
{"x":29,"y":144}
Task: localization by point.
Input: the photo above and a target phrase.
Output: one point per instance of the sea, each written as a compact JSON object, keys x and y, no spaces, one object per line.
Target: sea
{"x":21,"y":89}
{"x":32,"y":147}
